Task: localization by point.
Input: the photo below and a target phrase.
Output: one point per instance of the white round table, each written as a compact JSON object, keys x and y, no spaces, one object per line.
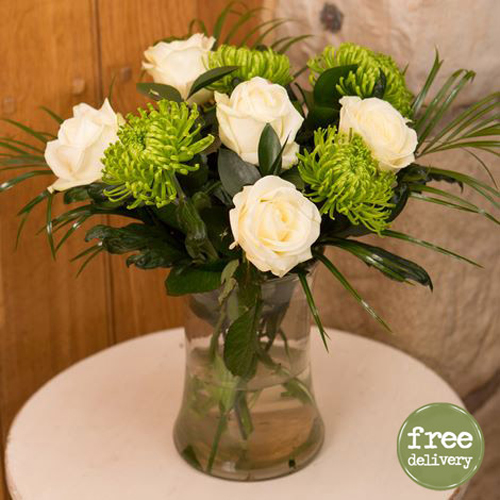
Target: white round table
{"x":102,"y":430}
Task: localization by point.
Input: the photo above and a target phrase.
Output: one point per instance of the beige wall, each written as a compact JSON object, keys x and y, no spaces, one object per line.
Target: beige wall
{"x":454,"y":330}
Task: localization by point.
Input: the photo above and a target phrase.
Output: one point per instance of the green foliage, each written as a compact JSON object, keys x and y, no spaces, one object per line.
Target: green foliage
{"x":417,"y":179}
{"x":345,"y":283}
{"x":152,"y":148}
{"x":389,"y":264}
{"x":426,"y":244}
{"x":342,"y":175}
{"x":240,"y":344}
{"x":476,"y":127}
{"x":377,"y":75}
{"x":235,"y":173}
{"x":266,"y":63}
{"x":159,"y":91}
{"x":313,"y":308}
{"x":270,"y":151}
{"x":194,"y":279}
{"x":211,"y":76}
{"x":153,"y":246}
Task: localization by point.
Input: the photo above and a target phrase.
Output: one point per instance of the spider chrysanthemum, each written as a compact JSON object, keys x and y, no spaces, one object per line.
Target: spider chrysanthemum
{"x":363,"y":80}
{"x":152,"y":148}
{"x":266,"y":63}
{"x":343,"y":175}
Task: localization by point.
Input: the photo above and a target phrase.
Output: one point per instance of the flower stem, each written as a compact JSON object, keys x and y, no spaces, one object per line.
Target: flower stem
{"x":215,"y":444}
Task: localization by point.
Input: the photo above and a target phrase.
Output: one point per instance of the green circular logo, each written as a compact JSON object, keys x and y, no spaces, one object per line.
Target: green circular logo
{"x":440,"y":446}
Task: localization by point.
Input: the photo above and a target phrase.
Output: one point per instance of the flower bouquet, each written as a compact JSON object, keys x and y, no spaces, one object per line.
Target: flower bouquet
{"x":237,"y":179}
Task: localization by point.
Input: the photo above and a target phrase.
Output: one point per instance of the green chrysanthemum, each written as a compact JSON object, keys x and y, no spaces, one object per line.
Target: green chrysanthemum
{"x":363,"y":80}
{"x":342,"y":173}
{"x":151,"y":149}
{"x":265,"y":63}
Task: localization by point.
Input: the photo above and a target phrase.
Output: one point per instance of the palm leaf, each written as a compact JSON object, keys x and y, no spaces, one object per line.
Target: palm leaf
{"x":389,"y":264}
{"x":420,"y":98}
{"x":283,"y":48}
{"x":71,"y":230}
{"x":41,"y":136}
{"x":220,"y":21}
{"x":23,"y":144}
{"x":48,"y":225}
{"x":257,"y":29}
{"x":456,"y":206}
{"x":244,"y":18}
{"x":483,"y":164}
{"x":345,"y":283}
{"x":201,"y":25}
{"x":25,"y":212}
{"x":21,"y":178}
{"x":411,"y":239}
{"x":313,"y":308}
{"x":441,"y":103}
{"x":53,"y":115}
{"x":268,"y":31}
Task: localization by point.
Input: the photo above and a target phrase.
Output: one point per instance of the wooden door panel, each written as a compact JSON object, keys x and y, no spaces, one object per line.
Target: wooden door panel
{"x":48,"y":320}
{"x":127,"y":28}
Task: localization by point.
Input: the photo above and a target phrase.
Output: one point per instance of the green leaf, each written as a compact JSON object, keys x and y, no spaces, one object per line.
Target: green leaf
{"x":477,"y":185}
{"x":292,"y":41}
{"x":201,"y":26}
{"x":94,"y":252}
{"x":456,"y":206}
{"x":26,"y":210}
{"x":380,"y":85}
{"x":274,"y":24}
{"x":321,"y":117}
{"x":209,"y":77}
{"x":197,"y":242}
{"x":221,"y":19}
{"x":240,"y":344}
{"x":227,"y":279}
{"x":426,"y":244}
{"x":270,"y":151}
{"x":23,"y":177}
{"x":391,"y":265}
{"x":23,"y":144}
{"x":235,"y":173}
{"x":158,"y":91}
{"x":76,"y":194}
{"x":155,"y":247}
{"x":244,"y":18}
{"x":313,"y":308}
{"x":53,"y":115}
{"x":74,"y":227}
{"x":183,"y":280}
{"x":340,"y":277}
{"x":420,"y":98}
{"x":48,"y":225}
{"x":292,"y":175}
{"x":325,"y":91}
{"x":441,"y":103}
{"x":37,"y":135}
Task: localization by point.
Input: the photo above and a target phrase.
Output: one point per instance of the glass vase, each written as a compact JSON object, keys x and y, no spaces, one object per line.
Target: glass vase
{"x":266,"y":423}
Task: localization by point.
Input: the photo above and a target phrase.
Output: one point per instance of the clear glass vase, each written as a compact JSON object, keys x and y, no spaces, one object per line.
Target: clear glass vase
{"x":262,"y":425}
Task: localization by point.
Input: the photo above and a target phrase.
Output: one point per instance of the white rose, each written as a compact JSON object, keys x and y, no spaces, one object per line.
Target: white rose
{"x":243,"y":116}
{"x":275,"y":224}
{"x":383,"y":129}
{"x":180,"y":63}
{"x":75,"y":156}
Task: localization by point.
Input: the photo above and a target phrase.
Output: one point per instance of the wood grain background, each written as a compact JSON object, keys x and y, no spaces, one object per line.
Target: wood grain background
{"x":59,"y":53}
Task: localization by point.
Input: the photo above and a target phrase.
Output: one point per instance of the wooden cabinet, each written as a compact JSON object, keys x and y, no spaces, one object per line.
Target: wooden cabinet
{"x":58,"y":53}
